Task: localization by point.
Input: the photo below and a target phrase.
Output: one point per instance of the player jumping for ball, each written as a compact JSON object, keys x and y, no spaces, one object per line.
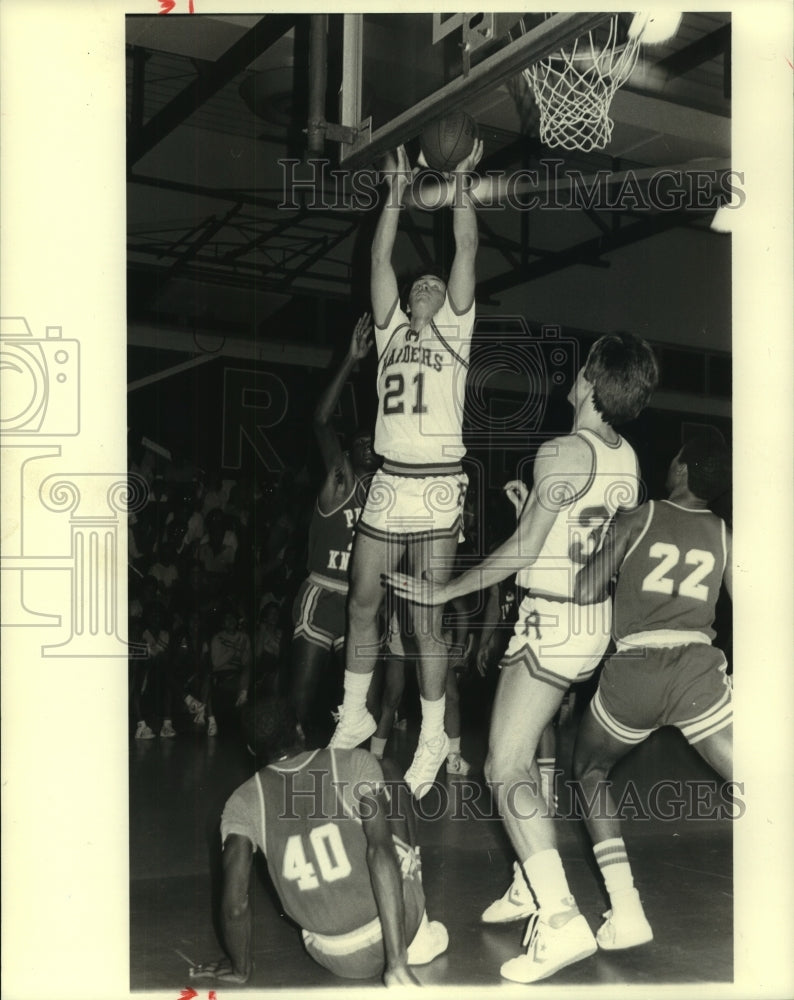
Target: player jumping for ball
{"x":580,"y":481}
{"x":670,"y":557}
{"x":415,"y":501}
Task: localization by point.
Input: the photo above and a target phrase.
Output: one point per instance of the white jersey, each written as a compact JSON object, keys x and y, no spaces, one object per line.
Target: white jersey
{"x":593,"y":497}
{"x":421,"y":391}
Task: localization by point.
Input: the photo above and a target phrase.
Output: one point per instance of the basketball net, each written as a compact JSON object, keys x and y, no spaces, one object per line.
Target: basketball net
{"x":574,"y":87}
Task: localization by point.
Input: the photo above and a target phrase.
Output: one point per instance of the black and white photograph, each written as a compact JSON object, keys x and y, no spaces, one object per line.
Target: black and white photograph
{"x":268,"y":727}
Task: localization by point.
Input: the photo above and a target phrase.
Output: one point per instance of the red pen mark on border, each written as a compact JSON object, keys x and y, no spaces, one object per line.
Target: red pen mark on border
{"x":189,"y":993}
{"x":166,"y":6}
{"x":791,"y":64}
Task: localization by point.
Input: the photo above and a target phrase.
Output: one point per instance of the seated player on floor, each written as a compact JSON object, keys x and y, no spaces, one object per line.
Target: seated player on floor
{"x":341,"y":859}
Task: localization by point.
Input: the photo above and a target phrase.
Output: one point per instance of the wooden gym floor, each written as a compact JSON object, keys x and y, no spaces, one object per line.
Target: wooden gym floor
{"x":682,"y":867}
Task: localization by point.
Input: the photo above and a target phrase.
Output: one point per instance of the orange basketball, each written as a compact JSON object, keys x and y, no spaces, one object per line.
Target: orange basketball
{"x":448,"y":140}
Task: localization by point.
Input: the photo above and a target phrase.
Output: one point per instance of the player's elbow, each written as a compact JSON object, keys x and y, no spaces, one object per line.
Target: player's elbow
{"x":583,"y":590}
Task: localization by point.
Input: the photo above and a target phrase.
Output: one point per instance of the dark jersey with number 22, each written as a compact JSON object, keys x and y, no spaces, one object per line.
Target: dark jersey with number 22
{"x":671,"y":575}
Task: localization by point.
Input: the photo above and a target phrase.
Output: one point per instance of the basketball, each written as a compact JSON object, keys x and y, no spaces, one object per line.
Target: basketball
{"x":448,"y":140}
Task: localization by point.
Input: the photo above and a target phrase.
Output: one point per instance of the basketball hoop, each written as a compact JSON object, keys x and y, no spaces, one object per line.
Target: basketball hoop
{"x":574,"y":87}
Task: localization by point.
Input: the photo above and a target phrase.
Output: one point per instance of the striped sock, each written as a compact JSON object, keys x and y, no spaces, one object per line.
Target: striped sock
{"x":613,"y":862}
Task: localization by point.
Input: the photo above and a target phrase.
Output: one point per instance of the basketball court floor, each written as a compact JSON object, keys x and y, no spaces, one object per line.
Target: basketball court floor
{"x":682,"y":866}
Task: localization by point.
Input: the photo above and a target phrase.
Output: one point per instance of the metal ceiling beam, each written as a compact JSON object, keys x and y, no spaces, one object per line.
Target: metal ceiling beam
{"x":276,"y":230}
{"x":243,"y":276}
{"x":246,"y":196}
{"x":328,"y":245}
{"x":213,"y":227}
{"x":714,"y":44}
{"x":583,"y":253}
{"x":253,"y":43}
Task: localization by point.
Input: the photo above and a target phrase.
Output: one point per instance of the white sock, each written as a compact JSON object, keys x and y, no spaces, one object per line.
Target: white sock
{"x":546,"y":875}
{"x":377,"y":745}
{"x":432,"y":718}
{"x":356,"y":688}
{"x":454,"y":744}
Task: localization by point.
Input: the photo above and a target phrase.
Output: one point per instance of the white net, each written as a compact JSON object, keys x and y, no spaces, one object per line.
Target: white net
{"x":574,"y":87}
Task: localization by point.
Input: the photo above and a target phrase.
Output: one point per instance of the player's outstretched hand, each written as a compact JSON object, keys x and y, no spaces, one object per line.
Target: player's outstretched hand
{"x":409,"y":588}
{"x":468,"y":163}
{"x":397,"y":170}
{"x":361,"y":340}
{"x":400,"y":975}
{"x":517,"y":493}
{"x":221,"y":970}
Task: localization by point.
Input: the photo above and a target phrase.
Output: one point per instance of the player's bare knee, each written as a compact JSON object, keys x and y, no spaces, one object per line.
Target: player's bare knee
{"x":501,"y":771}
{"x":362,"y":608}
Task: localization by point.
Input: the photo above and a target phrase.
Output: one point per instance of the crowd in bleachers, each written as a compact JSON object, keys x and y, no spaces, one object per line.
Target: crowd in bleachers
{"x":214,"y":565}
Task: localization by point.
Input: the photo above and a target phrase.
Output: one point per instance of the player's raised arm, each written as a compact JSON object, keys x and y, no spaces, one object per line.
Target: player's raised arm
{"x":383,"y":281}
{"x":337,"y":465}
{"x":462,"y":277}
{"x":387,"y":885}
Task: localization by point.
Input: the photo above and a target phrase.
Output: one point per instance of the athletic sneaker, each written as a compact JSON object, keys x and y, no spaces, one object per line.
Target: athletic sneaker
{"x":457,"y":765}
{"x":430,"y":941}
{"x":552,"y":943}
{"x":627,"y":928}
{"x":143,"y":732}
{"x":194,"y":706}
{"x":516,"y":903}
{"x":427,"y":760}
{"x":167,"y":730}
{"x":212,"y":726}
{"x":352,"y":730}
{"x":199,"y":718}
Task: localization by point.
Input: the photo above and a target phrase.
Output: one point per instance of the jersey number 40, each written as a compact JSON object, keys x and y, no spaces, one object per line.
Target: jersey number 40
{"x":330,"y":858}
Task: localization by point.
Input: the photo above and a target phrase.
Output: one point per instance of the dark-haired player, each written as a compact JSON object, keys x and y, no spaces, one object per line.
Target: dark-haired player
{"x":580,"y":481}
{"x":671,"y":558}
{"x":319,"y":609}
{"x":340,"y":856}
{"x":415,"y":503}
